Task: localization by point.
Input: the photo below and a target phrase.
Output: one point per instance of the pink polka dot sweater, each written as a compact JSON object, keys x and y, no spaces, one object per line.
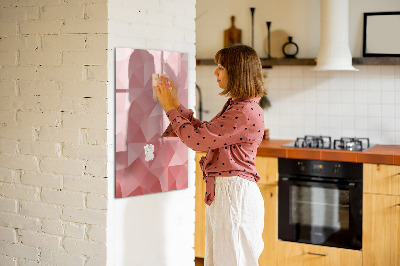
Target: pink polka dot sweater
{"x":231,"y":139}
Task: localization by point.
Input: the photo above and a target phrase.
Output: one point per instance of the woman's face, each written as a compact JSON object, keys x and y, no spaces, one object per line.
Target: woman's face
{"x":222,"y":76}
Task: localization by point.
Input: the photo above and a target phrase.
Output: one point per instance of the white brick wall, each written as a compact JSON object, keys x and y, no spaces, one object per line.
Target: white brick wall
{"x":53,"y":109}
{"x":155,"y":229}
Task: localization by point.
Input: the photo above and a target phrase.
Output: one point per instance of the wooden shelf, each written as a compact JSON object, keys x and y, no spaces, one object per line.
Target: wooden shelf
{"x":376,"y":61}
{"x":312,"y":61}
{"x":288,"y":62}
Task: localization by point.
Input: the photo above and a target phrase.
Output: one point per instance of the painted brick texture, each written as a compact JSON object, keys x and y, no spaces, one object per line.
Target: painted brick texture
{"x":164,"y":234}
{"x":53,"y":110}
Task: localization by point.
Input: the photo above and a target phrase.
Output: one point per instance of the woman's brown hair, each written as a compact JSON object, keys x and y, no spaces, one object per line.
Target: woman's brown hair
{"x":245,"y":77}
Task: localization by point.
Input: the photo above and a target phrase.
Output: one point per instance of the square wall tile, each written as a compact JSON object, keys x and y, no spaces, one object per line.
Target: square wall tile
{"x":374,"y":123}
{"x":374,"y":83}
{"x":361,"y":97}
{"x":296,"y":71}
{"x":322,"y":96}
{"x":388,"y":84}
{"x":361,"y":123}
{"x":388,"y":110}
{"x":335,"y":95}
{"x":389,"y":137}
{"x":297,"y":83}
{"x":375,"y":136}
{"x":387,"y":72}
{"x":347,"y":109}
{"x":374,"y":110}
{"x":348,"y":132}
{"x":348,"y":96}
{"x":348,"y":123}
{"x":322,"y":109}
{"x":388,"y":124}
{"x":310,"y":108}
{"x":388,"y":97}
{"x":322,"y":121}
{"x":361,"y":110}
{"x":374,"y":97}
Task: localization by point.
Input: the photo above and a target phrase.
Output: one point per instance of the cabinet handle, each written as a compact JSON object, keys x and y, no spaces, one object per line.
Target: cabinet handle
{"x":398,"y":204}
{"x":318,"y":254}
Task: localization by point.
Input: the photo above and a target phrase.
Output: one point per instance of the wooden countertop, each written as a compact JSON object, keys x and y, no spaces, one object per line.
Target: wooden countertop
{"x":379,"y":154}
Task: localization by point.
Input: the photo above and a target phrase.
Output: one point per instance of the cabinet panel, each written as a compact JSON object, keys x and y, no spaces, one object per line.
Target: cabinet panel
{"x":297,"y":254}
{"x":267,"y":168}
{"x":270,"y":233}
{"x":381,"y":179}
{"x":381,"y":230}
{"x":200,"y":207}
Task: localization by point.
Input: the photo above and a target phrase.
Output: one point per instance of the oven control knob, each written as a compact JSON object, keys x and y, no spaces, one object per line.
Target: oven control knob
{"x":336,"y":169}
{"x":302,"y":167}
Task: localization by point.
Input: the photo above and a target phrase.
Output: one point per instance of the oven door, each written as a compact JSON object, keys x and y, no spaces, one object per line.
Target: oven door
{"x":321,"y":212}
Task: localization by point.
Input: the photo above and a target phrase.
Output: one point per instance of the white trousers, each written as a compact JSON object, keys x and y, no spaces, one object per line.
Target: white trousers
{"x":234,"y":223}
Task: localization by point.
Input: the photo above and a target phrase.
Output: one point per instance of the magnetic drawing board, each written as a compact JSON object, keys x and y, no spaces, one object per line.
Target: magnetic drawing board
{"x":144,"y":161}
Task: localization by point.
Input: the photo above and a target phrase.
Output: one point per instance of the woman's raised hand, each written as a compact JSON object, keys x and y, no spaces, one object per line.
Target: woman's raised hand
{"x":174,"y":89}
{"x":164,"y":95}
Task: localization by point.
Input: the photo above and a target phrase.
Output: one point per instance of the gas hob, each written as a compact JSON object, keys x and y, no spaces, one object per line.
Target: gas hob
{"x":325,"y":142}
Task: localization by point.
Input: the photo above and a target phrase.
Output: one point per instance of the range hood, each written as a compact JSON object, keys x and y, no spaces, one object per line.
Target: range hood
{"x":334,"y":51}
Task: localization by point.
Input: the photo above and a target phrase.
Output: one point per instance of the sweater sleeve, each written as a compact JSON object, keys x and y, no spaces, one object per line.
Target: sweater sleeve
{"x":224,"y":130}
{"x":186,"y":113}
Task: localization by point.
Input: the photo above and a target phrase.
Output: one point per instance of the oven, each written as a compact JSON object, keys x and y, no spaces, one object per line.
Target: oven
{"x":320,"y":202}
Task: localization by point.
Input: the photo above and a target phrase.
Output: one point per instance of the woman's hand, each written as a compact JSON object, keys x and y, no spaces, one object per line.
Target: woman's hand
{"x":164,"y":94}
{"x":174,"y":89}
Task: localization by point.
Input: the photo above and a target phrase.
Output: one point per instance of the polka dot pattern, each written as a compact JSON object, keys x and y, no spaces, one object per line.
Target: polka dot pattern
{"x":231,"y":139}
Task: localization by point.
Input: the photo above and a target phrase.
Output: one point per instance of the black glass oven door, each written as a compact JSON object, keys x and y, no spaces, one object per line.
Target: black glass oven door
{"x":320,"y":212}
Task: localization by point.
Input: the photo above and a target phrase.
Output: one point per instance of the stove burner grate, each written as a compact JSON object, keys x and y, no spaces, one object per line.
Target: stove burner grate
{"x":321,"y":142}
{"x":351,"y":144}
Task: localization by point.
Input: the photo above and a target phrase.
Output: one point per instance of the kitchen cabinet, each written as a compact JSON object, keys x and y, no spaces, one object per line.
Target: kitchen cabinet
{"x":267,"y":167}
{"x":270,"y":233}
{"x":381,"y":221}
{"x":381,"y":179}
{"x":381,"y":230}
{"x":381,"y":215}
{"x":200,"y":207}
{"x":298,"y":254}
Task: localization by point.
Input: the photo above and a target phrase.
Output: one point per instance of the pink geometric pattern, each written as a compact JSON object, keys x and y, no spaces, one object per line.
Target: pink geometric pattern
{"x":144,"y":161}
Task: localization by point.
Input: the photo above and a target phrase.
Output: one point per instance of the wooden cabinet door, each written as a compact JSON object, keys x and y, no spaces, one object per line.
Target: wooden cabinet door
{"x":381,"y":230}
{"x":298,"y":254}
{"x":270,"y":233}
{"x":267,"y":168}
{"x":200,"y":207}
{"x":381,"y":179}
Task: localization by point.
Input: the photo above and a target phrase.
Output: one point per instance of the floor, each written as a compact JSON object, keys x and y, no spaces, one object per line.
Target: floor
{"x":199,"y":262}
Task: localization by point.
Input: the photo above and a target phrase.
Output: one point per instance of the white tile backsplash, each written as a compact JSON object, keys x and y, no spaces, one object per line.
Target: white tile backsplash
{"x":388,"y":97}
{"x":364,"y":103}
{"x":388,"y":110}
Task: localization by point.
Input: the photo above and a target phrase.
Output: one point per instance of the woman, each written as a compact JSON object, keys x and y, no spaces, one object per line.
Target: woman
{"x":235,"y":207}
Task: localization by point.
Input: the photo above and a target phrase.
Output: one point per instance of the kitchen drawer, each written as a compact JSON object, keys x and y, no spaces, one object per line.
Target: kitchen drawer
{"x":298,"y":254}
{"x":381,"y":179}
